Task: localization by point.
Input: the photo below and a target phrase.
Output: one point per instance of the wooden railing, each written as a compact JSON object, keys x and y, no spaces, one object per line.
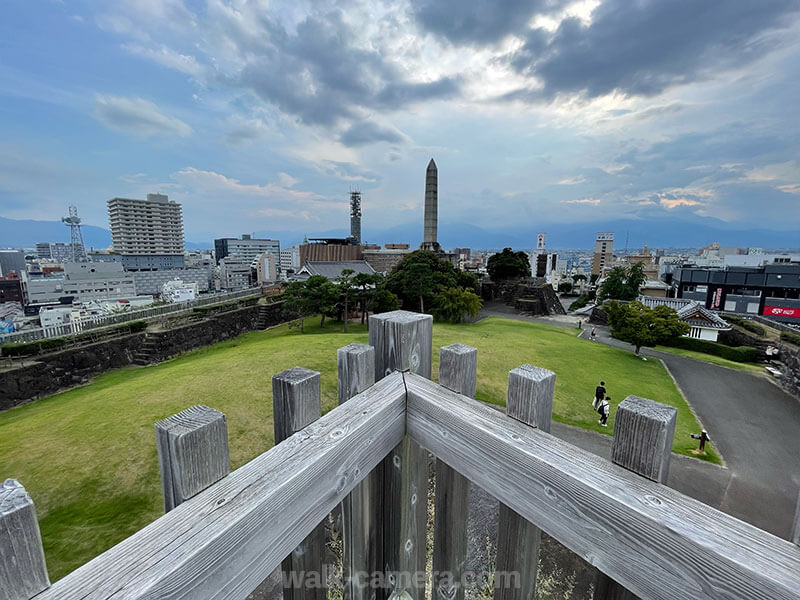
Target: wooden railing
{"x":224,"y":533}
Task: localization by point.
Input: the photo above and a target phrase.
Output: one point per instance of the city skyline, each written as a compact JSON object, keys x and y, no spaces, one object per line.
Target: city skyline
{"x":262,"y":119}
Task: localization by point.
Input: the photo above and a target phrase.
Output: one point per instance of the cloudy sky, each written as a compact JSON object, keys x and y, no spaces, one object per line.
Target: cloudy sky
{"x":260,"y":115}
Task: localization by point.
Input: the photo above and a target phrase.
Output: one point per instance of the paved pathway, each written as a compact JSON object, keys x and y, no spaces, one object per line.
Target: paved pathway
{"x":751,"y":421}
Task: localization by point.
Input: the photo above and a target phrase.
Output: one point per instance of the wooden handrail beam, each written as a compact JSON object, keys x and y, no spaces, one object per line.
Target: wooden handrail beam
{"x":223,"y":542}
{"x":658,"y":543}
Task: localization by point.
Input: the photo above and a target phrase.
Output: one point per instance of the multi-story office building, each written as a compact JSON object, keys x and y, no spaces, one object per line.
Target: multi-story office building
{"x":771,"y":290}
{"x":290,"y":259}
{"x":142,"y":262}
{"x":54,"y":251}
{"x":146,"y":227}
{"x":80,"y":282}
{"x":266,"y":269}
{"x":12,"y":261}
{"x":603,"y":252}
{"x":234,"y":273}
{"x":248,"y":248}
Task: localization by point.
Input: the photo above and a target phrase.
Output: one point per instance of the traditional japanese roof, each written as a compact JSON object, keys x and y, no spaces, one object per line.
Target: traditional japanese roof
{"x":689,"y":311}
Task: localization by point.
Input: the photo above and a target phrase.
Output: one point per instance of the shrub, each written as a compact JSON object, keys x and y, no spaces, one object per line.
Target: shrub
{"x":792,"y":338}
{"x":581,"y":301}
{"x":37,"y":347}
{"x":748,"y":325}
{"x":736,"y":354}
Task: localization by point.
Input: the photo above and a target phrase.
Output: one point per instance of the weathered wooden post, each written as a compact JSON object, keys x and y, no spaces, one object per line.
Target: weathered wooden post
{"x":796,"y":529}
{"x":362,"y":548}
{"x":643,"y":434}
{"x":192,"y":453}
{"x":23,"y":572}
{"x":530,"y":400}
{"x":403,"y":341}
{"x":458,"y":370}
{"x":296,"y":404}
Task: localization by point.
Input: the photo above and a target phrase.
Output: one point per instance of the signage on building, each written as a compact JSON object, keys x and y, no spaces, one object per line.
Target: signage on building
{"x":781,"y":311}
{"x":717,"y":298}
{"x":540,"y":242}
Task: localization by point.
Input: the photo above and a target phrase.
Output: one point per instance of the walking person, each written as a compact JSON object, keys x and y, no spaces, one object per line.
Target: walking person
{"x":599,"y":394}
{"x":604,"y":408}
{"x":594,"y":334}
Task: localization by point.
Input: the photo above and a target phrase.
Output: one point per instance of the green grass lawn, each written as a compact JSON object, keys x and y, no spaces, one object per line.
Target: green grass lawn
{"x":88,"y":455}
{"x":753,"y":368}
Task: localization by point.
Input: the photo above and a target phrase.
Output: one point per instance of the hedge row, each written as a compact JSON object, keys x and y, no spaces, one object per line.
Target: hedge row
{"x":792,"y":338}
{"x":52,"y":344}
{"x":737,"y":353}
{"x":748,"y":325}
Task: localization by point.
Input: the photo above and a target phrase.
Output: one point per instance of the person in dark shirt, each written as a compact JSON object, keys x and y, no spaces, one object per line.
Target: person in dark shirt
{"x":599,"y":393}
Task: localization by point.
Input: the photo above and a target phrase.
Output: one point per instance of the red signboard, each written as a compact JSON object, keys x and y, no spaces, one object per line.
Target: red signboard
{"x":717,"y":298}
{"x":781,"y":311}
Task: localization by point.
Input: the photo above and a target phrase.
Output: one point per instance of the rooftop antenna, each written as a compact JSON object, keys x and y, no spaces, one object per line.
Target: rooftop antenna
{"x":74,"y":224}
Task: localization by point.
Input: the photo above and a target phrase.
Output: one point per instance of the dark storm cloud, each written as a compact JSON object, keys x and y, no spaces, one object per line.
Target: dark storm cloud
{"x":480,"y":21}
{"x":320,"y":76}
{"x":642,"y":48}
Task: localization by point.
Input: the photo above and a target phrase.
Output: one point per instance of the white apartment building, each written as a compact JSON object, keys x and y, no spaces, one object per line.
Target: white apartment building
{"x":151,"y":226}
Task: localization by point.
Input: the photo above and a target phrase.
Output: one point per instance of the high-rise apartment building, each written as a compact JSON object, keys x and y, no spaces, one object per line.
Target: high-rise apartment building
{"x":603,"y":252}
{"x":146,"y":227}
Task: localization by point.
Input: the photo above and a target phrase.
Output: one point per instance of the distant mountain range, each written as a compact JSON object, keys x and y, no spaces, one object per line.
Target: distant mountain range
{"x":658,"y":233}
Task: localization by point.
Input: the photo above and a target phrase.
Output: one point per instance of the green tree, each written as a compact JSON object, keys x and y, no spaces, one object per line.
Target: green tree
{"x":296,"y":304}
{"x":565,"y":287}
{"x":452,"y":304}
{"x":640,"y":325}
{"x":508,"y":265}
{"x":322,"y":296}
{"x":384,"y":301}
{"x":366,"y":284}
{"x":622,"y":283}
{"x":346,"y":290}
{"x":421,"y":275}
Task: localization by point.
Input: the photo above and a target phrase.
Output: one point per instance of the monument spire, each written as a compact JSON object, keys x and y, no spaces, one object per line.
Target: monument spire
{"x":429,"y":241}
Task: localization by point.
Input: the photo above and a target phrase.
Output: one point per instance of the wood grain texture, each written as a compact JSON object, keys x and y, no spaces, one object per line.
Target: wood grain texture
{"x":296,"y":404}
{"x":226,"y":540}
{"x":796,"y":528}
{"x":530,"y":396}
{"x":295,"y":401}
{"x":643,"y":435}
{"x":458,"y":371}
{"x":192,"y":453}
{"x":655,"y":541}
{"x":403,"y":341}
{"x":362,"y":541}
{"x":23,"y":572}
{"x":529,"y":400}
{"x":356,"y":370}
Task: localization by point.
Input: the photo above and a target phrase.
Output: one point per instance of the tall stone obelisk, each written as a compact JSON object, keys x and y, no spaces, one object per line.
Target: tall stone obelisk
{"x":429,"y":241}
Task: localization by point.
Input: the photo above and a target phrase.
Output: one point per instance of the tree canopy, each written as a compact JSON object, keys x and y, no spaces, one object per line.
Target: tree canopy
{"x":640,"y":325}
{"x":508,"y":265}
{"x":421,"y":275}
{"x":622,"y":283}
{"x":453,"y":304}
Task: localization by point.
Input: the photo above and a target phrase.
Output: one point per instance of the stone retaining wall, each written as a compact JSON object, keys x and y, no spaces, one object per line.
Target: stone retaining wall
{"x":49,"y":373}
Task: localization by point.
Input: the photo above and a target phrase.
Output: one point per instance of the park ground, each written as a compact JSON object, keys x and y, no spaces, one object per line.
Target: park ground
{"x":88,"y":455}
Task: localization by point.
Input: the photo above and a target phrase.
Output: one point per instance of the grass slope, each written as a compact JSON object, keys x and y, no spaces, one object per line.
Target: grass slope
{"x":88,"y":455}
